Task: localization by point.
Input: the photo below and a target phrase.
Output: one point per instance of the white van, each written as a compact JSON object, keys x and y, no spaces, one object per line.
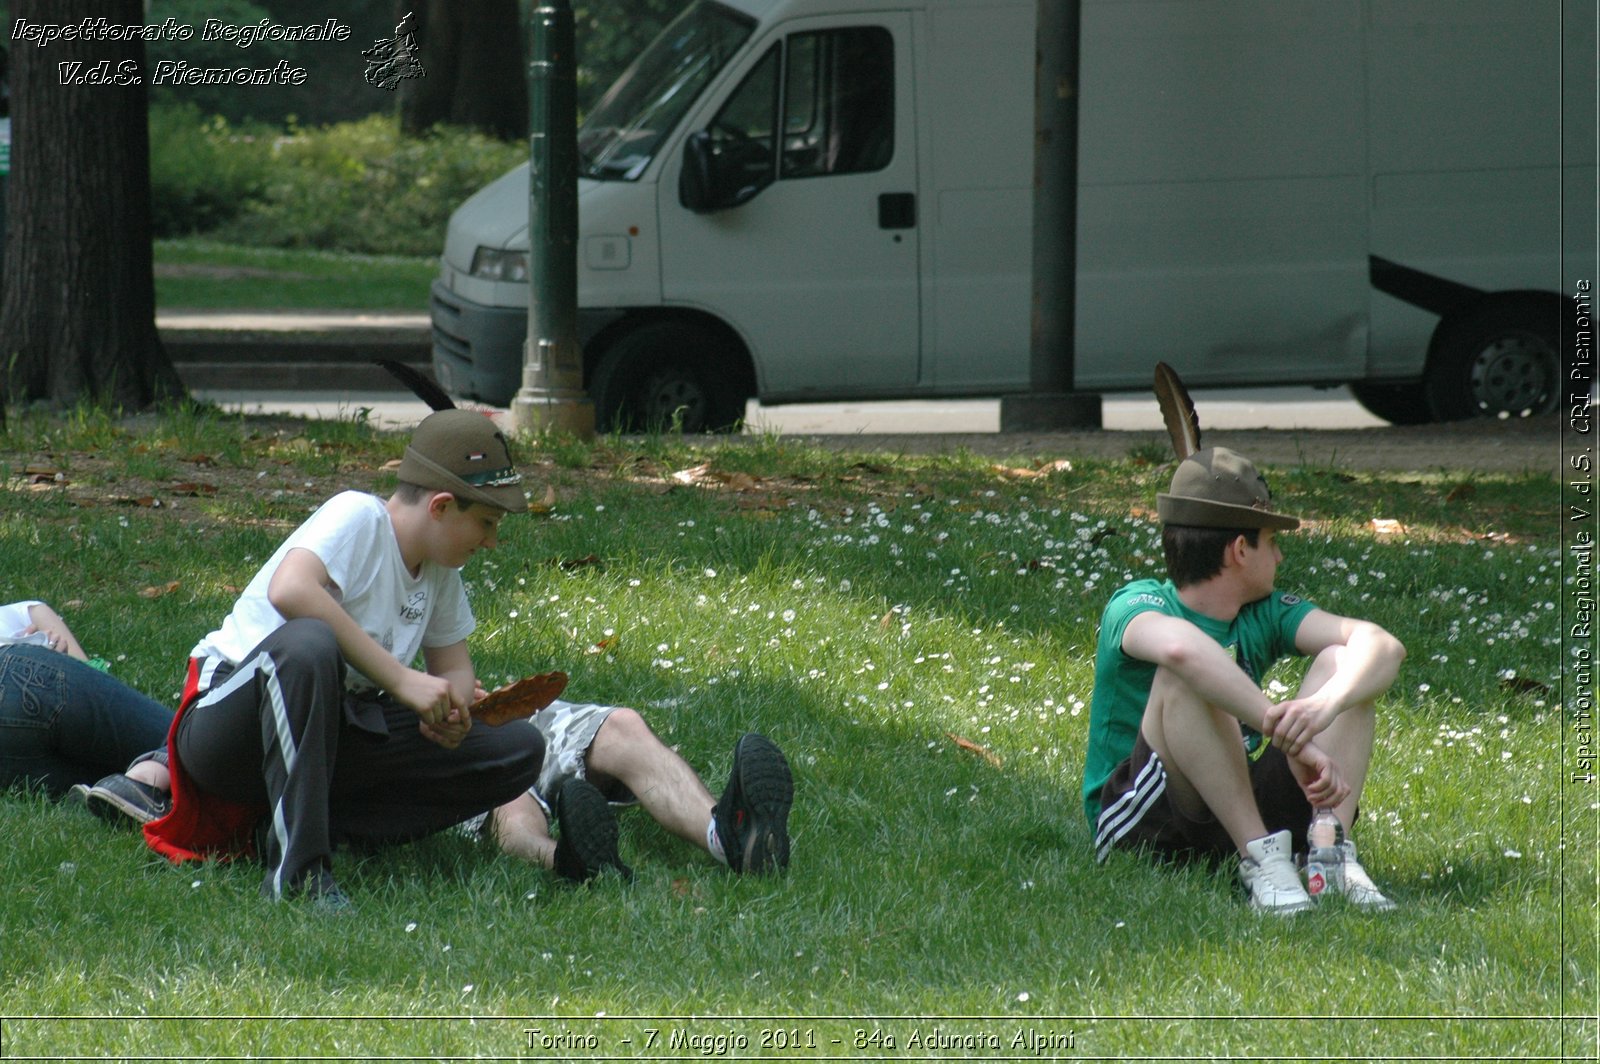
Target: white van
{"x":822,"y":199}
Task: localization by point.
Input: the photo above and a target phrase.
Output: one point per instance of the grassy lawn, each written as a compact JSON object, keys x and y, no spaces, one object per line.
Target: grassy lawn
{"x":199,"y":275}
{"x":880,"y":617}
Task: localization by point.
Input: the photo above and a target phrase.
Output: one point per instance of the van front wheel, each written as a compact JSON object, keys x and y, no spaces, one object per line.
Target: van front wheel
{"x":663,"y":377}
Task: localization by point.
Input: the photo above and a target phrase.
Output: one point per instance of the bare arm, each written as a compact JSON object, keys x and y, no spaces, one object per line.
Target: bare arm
{"x":49,"y":622}
{"x":299,"y":588}
{"x":1197,"y":659}
{"x":1176,"y":645}
{"x":453,"y":665}
{"x":1368,"y":663}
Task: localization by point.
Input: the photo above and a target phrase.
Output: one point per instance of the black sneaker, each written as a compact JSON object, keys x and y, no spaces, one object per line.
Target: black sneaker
{"x":116,"y":799}
{"x":752,"y":816}
{"x":587,"y":844}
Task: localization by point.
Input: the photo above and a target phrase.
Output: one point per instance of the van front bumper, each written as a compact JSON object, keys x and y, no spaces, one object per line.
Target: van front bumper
{"x":477,"y":350}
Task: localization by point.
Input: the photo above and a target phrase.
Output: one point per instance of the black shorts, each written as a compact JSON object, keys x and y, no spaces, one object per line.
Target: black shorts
{"x":1137,"y":813}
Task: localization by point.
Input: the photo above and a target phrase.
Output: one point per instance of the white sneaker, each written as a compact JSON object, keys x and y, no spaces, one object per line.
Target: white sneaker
{"x":1358,"y":887}
{"x":1270,"y":876}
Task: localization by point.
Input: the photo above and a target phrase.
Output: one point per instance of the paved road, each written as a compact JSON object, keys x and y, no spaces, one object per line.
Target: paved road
{"x":1268,"y":408}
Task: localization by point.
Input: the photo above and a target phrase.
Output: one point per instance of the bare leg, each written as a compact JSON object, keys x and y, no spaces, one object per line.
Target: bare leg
{"x":523,"y":831}
{"x":1200,"y":746}
{"x":626,"y":750}
{"x":152,"y":773}
{"x":1348,"y":740}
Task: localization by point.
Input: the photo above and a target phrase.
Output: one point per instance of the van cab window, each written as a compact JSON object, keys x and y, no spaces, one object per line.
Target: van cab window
{"x":621,"y":135}
{"x":836,"y":103}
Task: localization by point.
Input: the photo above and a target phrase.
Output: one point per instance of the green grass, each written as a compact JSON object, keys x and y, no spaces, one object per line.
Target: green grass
{"x":194,"y":274}
{"x":862,"y":610}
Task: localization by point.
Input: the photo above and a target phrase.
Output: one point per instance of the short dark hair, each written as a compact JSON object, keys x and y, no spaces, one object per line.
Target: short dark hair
{"x":411,"y":494}
{"x":1194,"y":554}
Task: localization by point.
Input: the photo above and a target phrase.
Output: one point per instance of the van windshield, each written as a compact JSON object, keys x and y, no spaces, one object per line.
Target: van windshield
{"x":621,"y":135}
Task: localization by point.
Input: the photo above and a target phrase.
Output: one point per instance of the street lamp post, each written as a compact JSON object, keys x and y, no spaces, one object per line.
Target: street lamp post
{"x":552,"y":395}
{"x":1052,"y":402}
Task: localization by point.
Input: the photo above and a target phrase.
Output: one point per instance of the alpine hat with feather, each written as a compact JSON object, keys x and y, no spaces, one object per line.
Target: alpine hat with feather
{"x":1218,"y":488}
{"x":1213,"y":487}
{"x":462,"y":452}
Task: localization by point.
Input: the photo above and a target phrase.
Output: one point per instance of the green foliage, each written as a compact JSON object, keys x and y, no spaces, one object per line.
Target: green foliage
{"x":203,"y":171}
{"x":864,"y":610}
{"x":333,"y":90}
{"x":363,"y":187}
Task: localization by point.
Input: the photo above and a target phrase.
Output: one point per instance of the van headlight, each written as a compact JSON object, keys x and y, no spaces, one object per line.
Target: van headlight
{"x":499,"y":264}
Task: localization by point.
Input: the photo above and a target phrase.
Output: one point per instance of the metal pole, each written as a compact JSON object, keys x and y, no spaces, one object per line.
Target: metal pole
{"x":1051,"y":402}
{"x":552,"y":394}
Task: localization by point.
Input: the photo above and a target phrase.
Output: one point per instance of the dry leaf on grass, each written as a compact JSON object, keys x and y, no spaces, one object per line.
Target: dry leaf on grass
{"x":1523,"y":686}
{"x":703,"y":474}
{"x":1060,"y":465}
{"x":547,"y":504}
{"x":982,"y":751}
{"x":156,"y":591}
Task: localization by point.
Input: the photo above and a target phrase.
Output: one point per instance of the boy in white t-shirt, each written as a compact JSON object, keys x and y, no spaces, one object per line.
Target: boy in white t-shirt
{"x":304,"y":723}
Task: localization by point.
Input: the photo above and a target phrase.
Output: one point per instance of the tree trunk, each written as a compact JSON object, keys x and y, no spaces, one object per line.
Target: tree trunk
{"x":472,"y":53}
{"x":77,"y":289}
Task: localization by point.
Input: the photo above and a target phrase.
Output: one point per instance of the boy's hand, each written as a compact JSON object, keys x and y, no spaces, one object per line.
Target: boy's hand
{"x":449,"y":732}
{"x":1324,"y":785}
{"x":1290,"y":725}
{"x":430,"y":697}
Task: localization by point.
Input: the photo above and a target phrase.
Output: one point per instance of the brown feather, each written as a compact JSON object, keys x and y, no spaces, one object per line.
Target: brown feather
{"x":1177,"y":409}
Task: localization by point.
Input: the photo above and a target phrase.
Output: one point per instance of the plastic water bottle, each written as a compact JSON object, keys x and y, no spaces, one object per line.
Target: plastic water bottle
{"x":1325,"y":854}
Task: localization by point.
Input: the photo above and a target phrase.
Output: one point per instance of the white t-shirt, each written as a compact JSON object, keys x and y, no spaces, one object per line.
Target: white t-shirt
{"x":353,"y":536}
{"x":15,"y":619}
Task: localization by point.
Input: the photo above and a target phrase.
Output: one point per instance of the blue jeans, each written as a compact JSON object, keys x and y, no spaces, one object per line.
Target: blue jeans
{"x":62,"y":722}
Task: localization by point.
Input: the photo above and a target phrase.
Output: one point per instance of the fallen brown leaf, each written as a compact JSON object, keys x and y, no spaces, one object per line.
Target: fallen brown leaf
{"x":163,"y":589}
{"x":982,"y":751}
{"x":545,"y":505}
{"x":570,"y":564}
{"x":692,"y":475}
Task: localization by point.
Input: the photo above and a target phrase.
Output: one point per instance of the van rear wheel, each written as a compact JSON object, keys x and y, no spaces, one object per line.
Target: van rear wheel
{"x":1501,"y":359}
{"x":666,"y":376}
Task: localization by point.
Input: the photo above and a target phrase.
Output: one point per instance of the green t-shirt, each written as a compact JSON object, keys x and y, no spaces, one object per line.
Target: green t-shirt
{"x":1262,"y":634}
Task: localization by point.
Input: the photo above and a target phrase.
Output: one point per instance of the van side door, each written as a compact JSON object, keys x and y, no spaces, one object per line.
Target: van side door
{"x":798,"y":221}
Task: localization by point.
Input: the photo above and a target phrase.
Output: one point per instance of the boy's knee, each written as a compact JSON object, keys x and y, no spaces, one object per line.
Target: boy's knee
{"x":1169,"y":692}
{"x":625,"y":727}
{"x":309,"y":642}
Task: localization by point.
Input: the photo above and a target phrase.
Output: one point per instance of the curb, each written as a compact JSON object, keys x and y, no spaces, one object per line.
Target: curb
{"x":293,"y":351}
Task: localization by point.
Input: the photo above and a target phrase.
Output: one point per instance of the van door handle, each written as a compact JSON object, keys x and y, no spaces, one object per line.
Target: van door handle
{"x":897,"y":210}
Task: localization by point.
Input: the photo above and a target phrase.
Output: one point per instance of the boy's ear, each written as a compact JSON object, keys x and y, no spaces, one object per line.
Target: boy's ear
{"x":1235,"y":550}
{"x":438,"y":502}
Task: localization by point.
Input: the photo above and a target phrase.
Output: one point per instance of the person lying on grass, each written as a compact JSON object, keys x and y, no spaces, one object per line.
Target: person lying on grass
{"x":1178,"y":711}
{"x":69,"y":728}
{"x":599,"y":756}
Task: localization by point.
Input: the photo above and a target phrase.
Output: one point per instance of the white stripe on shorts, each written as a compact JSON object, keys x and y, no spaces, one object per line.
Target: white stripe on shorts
{"x":1124,"y":814}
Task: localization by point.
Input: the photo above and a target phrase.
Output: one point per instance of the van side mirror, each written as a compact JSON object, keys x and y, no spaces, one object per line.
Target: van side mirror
{"x":696,"y":179}
{"x":715,"y":177}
